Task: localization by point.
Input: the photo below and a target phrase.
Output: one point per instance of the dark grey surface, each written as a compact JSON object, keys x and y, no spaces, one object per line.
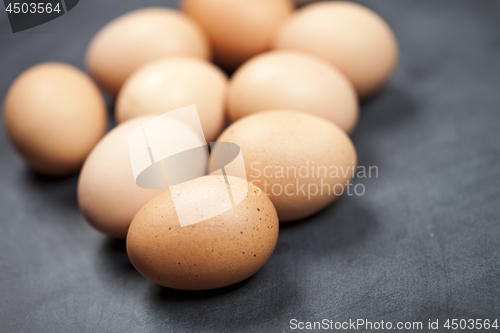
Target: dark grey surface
{"x":422,"y":243}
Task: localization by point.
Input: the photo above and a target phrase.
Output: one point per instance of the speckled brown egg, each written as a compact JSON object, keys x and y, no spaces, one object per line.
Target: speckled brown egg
{"x":350,"y":36}
{"x":141,"y":36}
{"x":301,"y":161}
{"x":293,"y":81}
{"x":238,"y":30}
{"x":214,"y":253}
{"x":172,"y":83}
{"x":54,"y":114}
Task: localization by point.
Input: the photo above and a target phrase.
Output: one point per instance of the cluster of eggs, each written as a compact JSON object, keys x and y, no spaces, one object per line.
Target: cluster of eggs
{"x":292,"y":100}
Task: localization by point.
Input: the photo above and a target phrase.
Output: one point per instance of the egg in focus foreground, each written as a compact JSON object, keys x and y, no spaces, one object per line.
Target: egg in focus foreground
{"x":217,"y":252}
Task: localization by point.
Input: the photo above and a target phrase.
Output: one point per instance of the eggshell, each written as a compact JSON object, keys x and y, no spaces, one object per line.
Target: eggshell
{"x":54,"y":115}
{"x":141,"y":36}
{"x":171,"y":83}
{"x":283,"y":151}
{"x":350,"y":36}
{"x":239,"y":29}
{"x":214,"y":253}
{"x":107,"y":193}
{"x":295,"y":81}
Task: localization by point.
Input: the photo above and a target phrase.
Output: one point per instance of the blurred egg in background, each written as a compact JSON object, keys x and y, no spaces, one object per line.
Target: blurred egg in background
{"x":294,"y":81}
{"x":54,"y":114}
{"x":350,"y":36}
{"x":138,"y":37}
{"x":238,"y":29}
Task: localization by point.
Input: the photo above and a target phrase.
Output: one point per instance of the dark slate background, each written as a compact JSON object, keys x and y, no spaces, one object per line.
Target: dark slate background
{"x":422,"y":243}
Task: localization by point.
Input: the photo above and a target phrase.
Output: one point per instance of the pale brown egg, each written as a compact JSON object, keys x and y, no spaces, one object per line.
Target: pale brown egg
{"x":214,"y":253}
{"x":168,"y":84}
{"x":107,"y":193}
{"x":239,"y":29}
{"x":350,"y":36}
{"x":301,"y":161}
{"x":54,"y":114}
{"x":293,"y":81}
{"x":141,"y":36}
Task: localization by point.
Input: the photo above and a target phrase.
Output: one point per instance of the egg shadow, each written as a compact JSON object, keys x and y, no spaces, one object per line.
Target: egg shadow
{"x":111,"y":106}
{"x":258,"y":299}
{"x":113,"y":259}
{"x":306,"y":220}
{"x":387,"y":115}
{"x":54,"y":190}
{"x":388,"y":109}
{"x":114,"y":268}
{"x":174,"y":295}
{"x":342,"y":225}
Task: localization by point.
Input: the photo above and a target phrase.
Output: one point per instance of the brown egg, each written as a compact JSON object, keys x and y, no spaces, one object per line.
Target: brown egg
{"x":214,"y":253}
{"x":107,"y":193}
{"x":138,"y":37}
{"x":350,"y":36}
{"x":239,"y":29}
{"x":301,"y":161}
{"x":171,"y":83}
{"x":54,"y":115}
{"x":294,"y":81}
